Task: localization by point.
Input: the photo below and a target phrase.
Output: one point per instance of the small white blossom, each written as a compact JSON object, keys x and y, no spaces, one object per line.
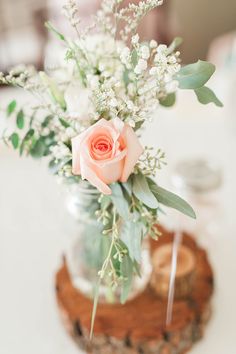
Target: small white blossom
{"x":135,"y":39}
{"x":70,"y":132}
{"x":144,"y":52}
{"x":113,"y":102}
{"x":125,"y":55}
{"x":141,"y":66}
{"x":130,"y":105}
{"x":172,"y":86}
{"x":93,"y":81}
{"x":162,"y":48}
{"x":153,"y":71}
{"x":131,"y":122}
{"x":153,"y":44}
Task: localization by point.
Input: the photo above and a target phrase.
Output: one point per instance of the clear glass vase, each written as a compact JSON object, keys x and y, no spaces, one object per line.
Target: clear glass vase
{"x":88,"y":247}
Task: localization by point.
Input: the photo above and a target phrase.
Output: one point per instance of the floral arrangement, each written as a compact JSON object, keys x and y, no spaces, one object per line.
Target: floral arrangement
{"x":89,"y":113}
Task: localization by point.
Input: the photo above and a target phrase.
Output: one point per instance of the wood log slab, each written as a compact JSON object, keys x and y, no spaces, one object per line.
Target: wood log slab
{"x":139,"y":325}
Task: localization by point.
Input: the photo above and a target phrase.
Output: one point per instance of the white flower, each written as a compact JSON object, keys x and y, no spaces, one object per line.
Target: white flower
{"x":135,"y":39}
{"x":172,"y":59}
{"x":153,"y":71}
{"x":172,"y":86}
{"x":78,"y":101}
{"x":141,"y":66}
{"x":70,"y":132}
{"x":113,"y":102}
{"x":153,"y":44}
{"x":144,"y":52}
{"x":125,"y":55}
{"x":162,"y":48}
{"x":131,"y":123}
{"x":130,"y":105}
{"x":93,"y":81}
{"x":160,"y":58}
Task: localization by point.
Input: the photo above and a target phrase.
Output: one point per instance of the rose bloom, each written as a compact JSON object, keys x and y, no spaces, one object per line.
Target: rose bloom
{"x":105,"y":153}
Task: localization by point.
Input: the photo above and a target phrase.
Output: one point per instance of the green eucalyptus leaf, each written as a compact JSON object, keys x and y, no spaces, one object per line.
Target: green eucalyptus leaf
{"x":168,"y":101}
{"x":64,"y":123}
{"x":20,"y":119}
{"x":134,"y":57}
{"x":132,"y":235}
{"x":39,"y":148}
{"x":46,"y":121}
{"x":142,"y":191}
{"x":11,"y":107}
{"x":171,"y":200}
{"x":105,"y":201}
{"x":126,"y":269}
{"x":195,"y":75}
{"x":138,"y":125}
{"x":205,"y":95}
{"x":128,"y":186}
{"x":56,"y":166}
{"x":15,"y":140}
{"x":28,"y":136}
{"x":126,"y":77}
{"x":119,"y":201}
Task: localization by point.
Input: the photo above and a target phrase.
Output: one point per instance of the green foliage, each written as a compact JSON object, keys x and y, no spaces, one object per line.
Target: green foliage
{"x":205,"y":95}
{"x":175,"y":44}
{"x":194,"y":76}
{"x":11,"y":107}
{"x":119,"y":201}
{"x":20,"y":119}
{"x":127,"y":274}
{"x":51,"y":28}
{"x":46,"y":121}
{"x":142,"y":191}
{"x":128,"y":186}
{"x":126,"y":77}
{"x":171,"y":200}
{"x":134,"y":57}
{"x":15,"y":140}
{"x":38,"y":149}
{"x":64,"y":123}
{"x":26,"y":141}
{"x":55,"y":166}
{"x":168,"y":101}
{"x":132,"y":235}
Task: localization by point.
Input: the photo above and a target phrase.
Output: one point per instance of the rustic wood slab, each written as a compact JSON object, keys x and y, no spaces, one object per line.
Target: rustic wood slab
{"x":139,"y":325}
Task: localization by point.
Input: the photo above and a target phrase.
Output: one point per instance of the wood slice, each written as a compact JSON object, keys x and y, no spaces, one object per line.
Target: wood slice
{"x":139,"y":325}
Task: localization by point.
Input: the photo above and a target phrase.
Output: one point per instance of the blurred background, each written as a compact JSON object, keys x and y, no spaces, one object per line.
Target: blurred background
{"x":200,"y":143}
{"x":23,"y":37}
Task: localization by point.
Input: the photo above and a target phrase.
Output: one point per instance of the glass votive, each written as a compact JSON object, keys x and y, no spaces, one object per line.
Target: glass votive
{"x":199,"y":181}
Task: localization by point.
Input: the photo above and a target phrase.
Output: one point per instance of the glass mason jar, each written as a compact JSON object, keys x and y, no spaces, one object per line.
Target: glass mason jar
{"x":88,"y":247}
{"x":199,"y":181}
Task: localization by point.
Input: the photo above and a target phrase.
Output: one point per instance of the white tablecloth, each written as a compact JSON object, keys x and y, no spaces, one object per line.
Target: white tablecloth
{"x":34,"y":229}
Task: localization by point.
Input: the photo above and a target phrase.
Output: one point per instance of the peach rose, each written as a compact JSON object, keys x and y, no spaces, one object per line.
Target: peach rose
{"x":105,"y":153}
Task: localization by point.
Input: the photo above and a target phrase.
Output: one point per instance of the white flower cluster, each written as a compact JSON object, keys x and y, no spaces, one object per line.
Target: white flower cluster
{"x":70,"y":9}
{"x":101,"y":76}
{"x":133,"y":14}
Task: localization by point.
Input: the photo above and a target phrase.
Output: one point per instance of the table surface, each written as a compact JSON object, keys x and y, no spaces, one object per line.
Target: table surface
{"x":34,"y":229}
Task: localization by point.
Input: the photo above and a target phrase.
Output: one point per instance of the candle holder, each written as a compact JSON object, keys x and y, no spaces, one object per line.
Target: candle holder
{"x":185,"y":272}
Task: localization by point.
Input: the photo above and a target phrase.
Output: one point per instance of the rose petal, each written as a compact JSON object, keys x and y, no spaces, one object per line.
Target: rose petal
{"x":134,"y":150}
{"x":87,"y":172}
{"x":76,"y":142}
